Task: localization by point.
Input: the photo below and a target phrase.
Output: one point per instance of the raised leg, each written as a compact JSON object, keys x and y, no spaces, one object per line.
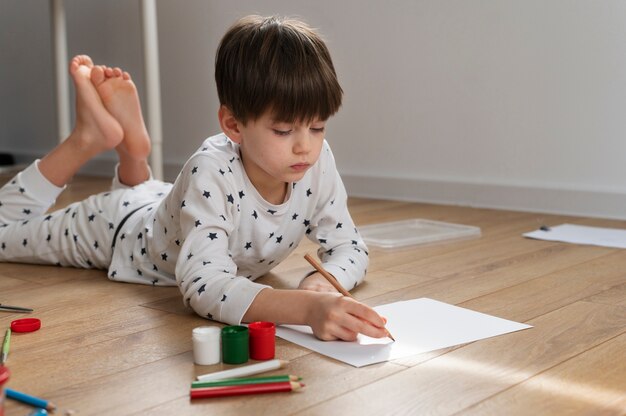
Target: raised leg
{"x":119,"y":95}
{"x":95,"y":130}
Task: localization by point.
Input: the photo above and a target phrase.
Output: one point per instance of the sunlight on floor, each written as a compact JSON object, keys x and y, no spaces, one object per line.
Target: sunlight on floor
{"x":601,"y":397}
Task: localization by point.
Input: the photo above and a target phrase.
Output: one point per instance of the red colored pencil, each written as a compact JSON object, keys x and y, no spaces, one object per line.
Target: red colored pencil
{"x":244,"y":389}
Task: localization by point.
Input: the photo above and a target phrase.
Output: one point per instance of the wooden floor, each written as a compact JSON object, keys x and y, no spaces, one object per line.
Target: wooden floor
{"x":110,"y":348}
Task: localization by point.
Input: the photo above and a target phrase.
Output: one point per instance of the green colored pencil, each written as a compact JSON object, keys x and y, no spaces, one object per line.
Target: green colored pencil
{"x":241,"y":381}
{"x":5,"y":347}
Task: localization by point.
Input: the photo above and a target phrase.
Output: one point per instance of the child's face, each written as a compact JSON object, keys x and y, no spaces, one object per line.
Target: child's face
{"x":276,"y":152}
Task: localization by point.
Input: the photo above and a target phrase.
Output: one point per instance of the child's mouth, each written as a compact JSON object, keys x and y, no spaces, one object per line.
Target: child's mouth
{"x":299,"y":167}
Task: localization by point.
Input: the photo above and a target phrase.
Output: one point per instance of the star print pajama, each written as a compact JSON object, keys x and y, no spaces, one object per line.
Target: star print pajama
{"x":217,"y":234}
{"x":210,"y":233}
{"x":79,"y":235}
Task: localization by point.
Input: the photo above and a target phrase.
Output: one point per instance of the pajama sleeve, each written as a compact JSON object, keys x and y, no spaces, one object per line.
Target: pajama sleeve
{"x":342,"y":250}
{"x":205,"y":271}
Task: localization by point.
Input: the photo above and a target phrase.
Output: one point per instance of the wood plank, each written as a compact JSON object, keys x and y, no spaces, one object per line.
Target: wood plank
{"x":45,"y":275}
{"x":82,"y":365}
{"x":590,"y":383}
{"x":54,"y":304}
{"x":555,"y":290}
{"x":84,"y":330}
{"x":483,"y":255}
{"x":160,"y":381}
{"x":324,"y":379}
{"x":615,"y":295}
{"x":9,"y":283}
{"x":494,"y":273}
{"x":470,"y":374}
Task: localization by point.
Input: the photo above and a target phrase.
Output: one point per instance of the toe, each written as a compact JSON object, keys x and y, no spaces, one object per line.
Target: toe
{"x":86,"y":60}
{"x":74,"y":64}
{"x":80,"y":65}
{"x":83,"y":60}
{"x":97,"y":75}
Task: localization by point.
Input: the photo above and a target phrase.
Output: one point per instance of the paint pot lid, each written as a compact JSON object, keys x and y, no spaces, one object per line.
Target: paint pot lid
{"x":235,"y":332}
{"x":262,"y":327}
{"x":25,"y":325}
{"x":205,"y":333}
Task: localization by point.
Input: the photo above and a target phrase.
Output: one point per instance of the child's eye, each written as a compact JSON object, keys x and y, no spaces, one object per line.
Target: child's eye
{"x":318,"y":129}
{"x":281,"y":132}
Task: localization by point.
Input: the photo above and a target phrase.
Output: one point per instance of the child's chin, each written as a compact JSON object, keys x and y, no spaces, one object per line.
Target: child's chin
{"x":296,"y":176}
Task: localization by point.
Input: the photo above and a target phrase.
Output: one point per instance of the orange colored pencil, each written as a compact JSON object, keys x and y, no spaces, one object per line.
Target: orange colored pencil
{"x":262,"y":388}
{"x":331,"y":279}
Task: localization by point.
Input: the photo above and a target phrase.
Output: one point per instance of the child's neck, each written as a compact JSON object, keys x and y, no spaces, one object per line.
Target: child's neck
{"x":272,"y":191}
{"x":274,"y":195}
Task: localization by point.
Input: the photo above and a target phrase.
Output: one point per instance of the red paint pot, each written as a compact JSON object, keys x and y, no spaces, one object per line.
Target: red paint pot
{"x":262,"y":340}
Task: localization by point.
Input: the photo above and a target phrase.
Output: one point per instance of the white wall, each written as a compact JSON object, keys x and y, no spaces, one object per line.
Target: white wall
{"x":504,"y":103}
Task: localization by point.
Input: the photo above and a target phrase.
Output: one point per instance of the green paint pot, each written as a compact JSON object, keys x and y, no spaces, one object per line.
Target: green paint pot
{"x":234,"y":344}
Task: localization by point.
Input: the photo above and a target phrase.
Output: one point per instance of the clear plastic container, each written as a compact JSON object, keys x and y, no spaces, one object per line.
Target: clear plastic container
{"x":400,"y":234}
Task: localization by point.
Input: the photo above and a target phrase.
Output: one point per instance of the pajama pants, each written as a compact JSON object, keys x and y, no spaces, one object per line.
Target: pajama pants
{"x":79,"y":235}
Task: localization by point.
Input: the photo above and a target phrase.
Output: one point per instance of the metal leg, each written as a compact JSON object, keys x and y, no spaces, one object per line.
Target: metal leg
{"x":153,"y":90}
{"x":59,"y":37}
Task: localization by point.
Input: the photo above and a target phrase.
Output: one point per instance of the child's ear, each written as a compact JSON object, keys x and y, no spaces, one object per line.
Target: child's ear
{"x":229,"y":124}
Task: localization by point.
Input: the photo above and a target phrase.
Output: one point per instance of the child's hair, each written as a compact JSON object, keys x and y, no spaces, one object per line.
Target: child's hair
{"x":278,"y":65}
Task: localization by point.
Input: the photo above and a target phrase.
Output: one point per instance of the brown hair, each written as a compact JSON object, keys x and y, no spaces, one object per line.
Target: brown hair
{"x":278,"y":65}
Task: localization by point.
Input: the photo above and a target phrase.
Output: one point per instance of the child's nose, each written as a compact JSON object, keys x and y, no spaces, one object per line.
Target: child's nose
{"x":302,"y":143}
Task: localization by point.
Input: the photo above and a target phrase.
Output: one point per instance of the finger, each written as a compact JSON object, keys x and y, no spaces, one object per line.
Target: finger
{"x":361,"y":326}
{"x":344,"y":334}
{"x":326,"y":336}
{"x":332,"y":331}
{"x":365,"y":313}
{"x":357,"y":324}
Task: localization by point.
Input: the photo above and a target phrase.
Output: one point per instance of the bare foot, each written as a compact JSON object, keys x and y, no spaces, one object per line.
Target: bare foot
{"x":120,"y":98}
{"x":96,"y":130}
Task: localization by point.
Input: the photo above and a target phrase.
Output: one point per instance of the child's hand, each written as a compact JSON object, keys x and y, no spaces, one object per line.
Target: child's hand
{"x":317,"y":283}
{"x":339,"y":317}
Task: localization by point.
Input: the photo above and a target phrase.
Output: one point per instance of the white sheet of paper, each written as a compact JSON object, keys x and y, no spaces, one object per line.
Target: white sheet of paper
{"x":418,"y":325}
{"x":582,"y":234}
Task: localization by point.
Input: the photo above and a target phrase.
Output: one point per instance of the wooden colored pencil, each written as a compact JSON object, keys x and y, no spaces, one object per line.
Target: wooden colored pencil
{"x":331,"y":279}
{"x":240,"y":381}
{"x":28,"y":399}
{"x":244,"y":371}
{"x":245,"y":389}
